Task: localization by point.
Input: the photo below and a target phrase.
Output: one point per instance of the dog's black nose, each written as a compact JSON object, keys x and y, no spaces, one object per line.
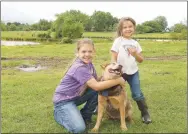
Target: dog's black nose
{"x":120,"y":66}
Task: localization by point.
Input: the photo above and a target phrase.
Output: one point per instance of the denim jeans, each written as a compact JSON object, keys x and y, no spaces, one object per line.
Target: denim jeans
{"x":68,"y":115}
{"x":134,"y":84}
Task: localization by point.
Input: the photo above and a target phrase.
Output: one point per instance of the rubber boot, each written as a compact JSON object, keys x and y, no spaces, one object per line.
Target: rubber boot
{"x":144,"y":111}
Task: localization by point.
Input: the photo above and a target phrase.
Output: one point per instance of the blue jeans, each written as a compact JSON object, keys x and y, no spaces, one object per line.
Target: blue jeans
{"x":68,"y":115}
{"x":134,"y":84}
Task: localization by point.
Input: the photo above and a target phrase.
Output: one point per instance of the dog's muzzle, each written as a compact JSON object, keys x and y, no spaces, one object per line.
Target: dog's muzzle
{"x":117,"y":71}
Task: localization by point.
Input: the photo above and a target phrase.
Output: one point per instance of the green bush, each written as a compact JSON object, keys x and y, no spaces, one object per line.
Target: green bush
{"x":72,"y":30}
{"x":43,"y":35}
{"x":53,"y":35}
{"x":179,"y":36}
{"x":67,"y":40}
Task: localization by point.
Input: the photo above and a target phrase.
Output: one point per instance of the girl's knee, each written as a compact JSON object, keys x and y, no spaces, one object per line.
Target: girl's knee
{"x":79,"y":128}
{"x":76,"y":127}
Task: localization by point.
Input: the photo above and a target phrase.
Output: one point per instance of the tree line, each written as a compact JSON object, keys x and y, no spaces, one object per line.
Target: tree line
{"x":73,"y":23}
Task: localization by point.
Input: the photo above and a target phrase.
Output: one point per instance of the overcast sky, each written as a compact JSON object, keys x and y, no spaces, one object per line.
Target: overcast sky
{"x":32,"y":12}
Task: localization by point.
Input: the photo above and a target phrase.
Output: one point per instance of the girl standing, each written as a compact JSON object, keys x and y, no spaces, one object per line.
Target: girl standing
{"x":127,"y":52}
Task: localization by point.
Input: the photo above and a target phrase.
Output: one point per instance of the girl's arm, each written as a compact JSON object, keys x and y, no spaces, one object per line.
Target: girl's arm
{"x":114,"y":56}
{"x":102,"y":85}
{"x":138,"y":56}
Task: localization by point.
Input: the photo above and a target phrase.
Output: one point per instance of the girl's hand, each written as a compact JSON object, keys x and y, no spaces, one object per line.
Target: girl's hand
{"x":121,"y":81}
{"x":132,"y":51}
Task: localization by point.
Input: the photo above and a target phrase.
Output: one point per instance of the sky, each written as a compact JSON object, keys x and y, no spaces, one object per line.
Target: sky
{"x":32,"y":12}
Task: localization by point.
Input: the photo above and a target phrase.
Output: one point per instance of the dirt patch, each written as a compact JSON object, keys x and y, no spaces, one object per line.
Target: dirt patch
{"x":63,"y":62}
{"x":54,"y":61}
{"x":45,"y":61}
{"x":162,"y":73}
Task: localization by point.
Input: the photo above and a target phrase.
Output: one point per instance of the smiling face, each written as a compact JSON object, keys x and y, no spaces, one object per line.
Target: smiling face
{"x":128,"y":29}
{"x":85,"y":53}
{"x":112,"y":71}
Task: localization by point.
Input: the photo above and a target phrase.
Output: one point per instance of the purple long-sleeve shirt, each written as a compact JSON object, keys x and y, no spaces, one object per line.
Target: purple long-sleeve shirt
{"x":73,"y":83}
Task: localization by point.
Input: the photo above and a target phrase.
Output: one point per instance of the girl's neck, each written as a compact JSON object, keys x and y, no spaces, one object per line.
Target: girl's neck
{"x":128,"y":38}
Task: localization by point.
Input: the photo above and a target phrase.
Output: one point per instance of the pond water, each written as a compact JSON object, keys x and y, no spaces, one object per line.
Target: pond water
{"x":18,"y":43}
{"x":31,"y":68}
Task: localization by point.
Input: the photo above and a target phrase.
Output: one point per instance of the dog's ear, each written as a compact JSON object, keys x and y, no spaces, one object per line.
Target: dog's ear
{"x":104,"y":66}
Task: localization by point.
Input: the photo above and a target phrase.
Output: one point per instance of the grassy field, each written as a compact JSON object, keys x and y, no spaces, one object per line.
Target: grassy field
{"x":113,"y":34}
{"x":27,"y":106}
{"x":33,"y":34}
{"x":20,"y":34}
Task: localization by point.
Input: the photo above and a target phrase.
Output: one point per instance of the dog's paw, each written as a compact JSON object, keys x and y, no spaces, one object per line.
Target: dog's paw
{"x":124,"y":128}
{"x":94,"y":130}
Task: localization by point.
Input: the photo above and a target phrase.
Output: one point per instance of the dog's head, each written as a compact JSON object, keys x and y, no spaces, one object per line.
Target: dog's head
{"x":111,"y":71}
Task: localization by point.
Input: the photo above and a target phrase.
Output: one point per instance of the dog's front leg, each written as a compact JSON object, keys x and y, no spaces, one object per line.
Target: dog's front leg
{"x":122,"y":116}
{"x":101,"y":108}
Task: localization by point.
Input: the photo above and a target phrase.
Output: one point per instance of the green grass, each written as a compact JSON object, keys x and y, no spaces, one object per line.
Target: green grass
{"x":113,"y":34}
{"x":27,"y":106}
{"x":154,"y":48}
{"x":20,"y":34}
{"x":33,"y":34}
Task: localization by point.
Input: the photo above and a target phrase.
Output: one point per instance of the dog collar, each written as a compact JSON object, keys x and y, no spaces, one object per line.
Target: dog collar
{"x":113,"y":91}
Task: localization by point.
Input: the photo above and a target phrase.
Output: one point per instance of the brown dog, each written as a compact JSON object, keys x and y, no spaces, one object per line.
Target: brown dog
{"x":114,"y":100}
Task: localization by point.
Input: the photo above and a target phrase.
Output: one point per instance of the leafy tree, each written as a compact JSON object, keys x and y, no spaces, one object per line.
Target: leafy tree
{"x":26,"y":27}
{"x":184,"y":34}
{"x":44,"y":25}
{"x":12,"y":27}
{"x":57,"y":26}
{"x":3,"y":26}
{"x":102,"y":21}
{"x":140,"y":29}
{"x":72,"y":30}
{"x":53,"y":35}
{"x":88,"y":25}
{"x":9,"y":23}
{"x":16,"y":23}
{"x":35,"y":27}
{"x":179,"y":31}
{"x":178,"y":27}
{"x":73,"y":16}
{"x":114,"y":28}
{"x":115,"y":20}
{"x":154,"y":26}
{"x":76,"y":16}
{"x":162,"y":21}
{"x":143,"y":29}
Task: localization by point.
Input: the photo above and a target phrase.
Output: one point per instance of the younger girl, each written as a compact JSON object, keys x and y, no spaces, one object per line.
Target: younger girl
{"x":79,"y":85}
{"x":126,"y":52}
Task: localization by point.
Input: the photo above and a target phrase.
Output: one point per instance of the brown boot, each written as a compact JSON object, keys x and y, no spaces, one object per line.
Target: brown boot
{"x":144,"y":111}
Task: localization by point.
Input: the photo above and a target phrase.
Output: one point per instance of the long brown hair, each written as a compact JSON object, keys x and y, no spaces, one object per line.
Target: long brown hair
{"x":84,"y":41}
{"x":79,"y":44}
{"x":120,"y":25}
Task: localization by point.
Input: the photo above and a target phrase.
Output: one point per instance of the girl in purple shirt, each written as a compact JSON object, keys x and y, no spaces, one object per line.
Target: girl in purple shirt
{"x":79,"y":86}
